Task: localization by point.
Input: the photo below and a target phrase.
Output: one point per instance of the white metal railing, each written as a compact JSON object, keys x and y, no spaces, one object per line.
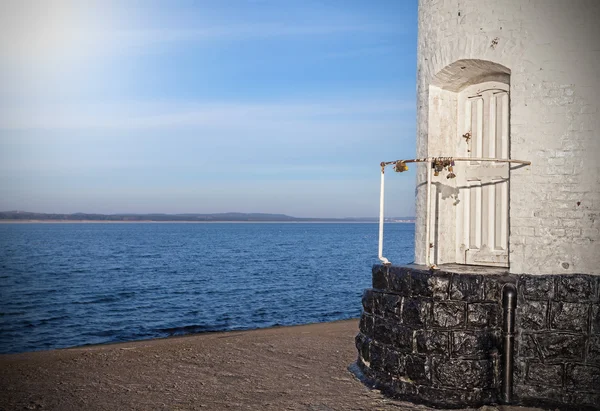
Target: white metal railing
{"x":400,"y":166}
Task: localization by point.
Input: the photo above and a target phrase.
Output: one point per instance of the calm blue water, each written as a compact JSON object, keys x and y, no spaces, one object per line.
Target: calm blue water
{"x":64,"y":285}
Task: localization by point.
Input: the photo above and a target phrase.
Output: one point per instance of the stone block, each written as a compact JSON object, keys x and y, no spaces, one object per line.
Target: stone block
{"x":366,"y":325}
{"x":383,"y":331}
{"x":394,"y":363}
{"x":432,"y":342}
{"x":545,"y":374}
{"x":575,"y":288}
{"x":378,"y":307}
{"x":537,"y":395}
{"x":404,"y":390}
{"x":380,"y":277}
{"x":363,"y":346}
{"x":595,"y":326}
{"x":417,"y":369}
{"x":482,"y":315}
{"x":462,"y":374}
{"x":569,"y":316}
{"x":427,"y":285}
{"x":368,"y":301}
{"x":399,"y":280}
{"x":590,"y":400}
{"x":474,"y":344}
{"x":386,"y":305}
{"x":551,"y":346}
{"x":536,"y":287}
{"x":525,"y":347}
{"x":376,"y":357}
{"x":593,"y":354}
{"x":519,"y":371}
{"x":416,"y":312}
{"x":531,"y":315}
{"x":402,"y":339}
{"x":583,"y":377}
{"x":492,"y":289}
{"x":453,"y":398}
{"x":466,"y":287}
{"x":448,"y":314}
{"x":358,"y":341}
{"x":390,"y":305}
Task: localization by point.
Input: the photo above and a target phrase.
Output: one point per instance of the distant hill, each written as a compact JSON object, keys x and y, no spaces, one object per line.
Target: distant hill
{"x":24,"y":215}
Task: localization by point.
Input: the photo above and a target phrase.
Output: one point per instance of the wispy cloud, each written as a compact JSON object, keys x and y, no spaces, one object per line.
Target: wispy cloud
{"x":42,"y":30}
{"x":153,"y":115}
{"x":236,"y":32}
{"x":377,"y":50}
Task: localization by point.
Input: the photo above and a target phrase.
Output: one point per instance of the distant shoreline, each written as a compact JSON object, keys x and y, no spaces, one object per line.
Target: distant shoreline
{"x":229,"y":217}
{"x":7,"y":221}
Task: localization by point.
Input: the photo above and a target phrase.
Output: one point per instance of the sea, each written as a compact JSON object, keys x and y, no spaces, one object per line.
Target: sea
{"x":75,"y":284}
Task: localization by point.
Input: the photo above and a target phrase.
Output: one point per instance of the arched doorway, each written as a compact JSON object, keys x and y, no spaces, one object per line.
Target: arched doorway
{"x":469,"y":116}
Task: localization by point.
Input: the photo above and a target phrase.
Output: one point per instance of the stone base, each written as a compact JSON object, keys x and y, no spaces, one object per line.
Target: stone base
{"x":435,"y":337}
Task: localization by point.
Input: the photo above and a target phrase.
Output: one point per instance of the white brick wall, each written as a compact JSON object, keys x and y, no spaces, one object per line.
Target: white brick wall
{"x":552,"y":49}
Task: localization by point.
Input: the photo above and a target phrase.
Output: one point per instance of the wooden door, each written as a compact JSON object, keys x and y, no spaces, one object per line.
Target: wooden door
{"x":482,"y":210}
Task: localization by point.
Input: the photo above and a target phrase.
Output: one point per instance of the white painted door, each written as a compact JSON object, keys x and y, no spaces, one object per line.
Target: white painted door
{"x":482,"y":210}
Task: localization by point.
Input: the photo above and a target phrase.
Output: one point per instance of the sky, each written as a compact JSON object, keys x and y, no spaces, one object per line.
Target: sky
{"x":207,"y":106}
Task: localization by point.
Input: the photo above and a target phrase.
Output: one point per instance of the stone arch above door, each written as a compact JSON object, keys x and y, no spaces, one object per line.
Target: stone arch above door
{"x":463,"y":73}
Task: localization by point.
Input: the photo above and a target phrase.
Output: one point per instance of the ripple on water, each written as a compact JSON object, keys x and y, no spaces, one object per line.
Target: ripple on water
{"x":77,"y":284}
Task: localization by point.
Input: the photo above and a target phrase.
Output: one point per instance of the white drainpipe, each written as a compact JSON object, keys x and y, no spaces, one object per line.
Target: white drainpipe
{"x":428,"y":214}
{"x":381,"y":206}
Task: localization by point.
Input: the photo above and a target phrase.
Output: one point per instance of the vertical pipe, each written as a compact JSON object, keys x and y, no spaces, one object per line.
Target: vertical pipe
{"x":428,"y":213}
{"x":381,"y":204}
{"x":509,"y":304}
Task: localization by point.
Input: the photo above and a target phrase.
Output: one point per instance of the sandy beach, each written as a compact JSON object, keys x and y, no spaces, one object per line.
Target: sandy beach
{"x":286,"y":368}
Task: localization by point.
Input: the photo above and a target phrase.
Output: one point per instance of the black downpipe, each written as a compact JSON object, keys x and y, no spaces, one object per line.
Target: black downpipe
{"x":509,"y":304}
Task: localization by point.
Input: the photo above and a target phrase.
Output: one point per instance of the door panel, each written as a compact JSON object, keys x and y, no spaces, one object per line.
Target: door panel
{"x":476,"y":105}
{"x":482,"y":211}
{"x":474,"y":213}
{"x":501,"y":122}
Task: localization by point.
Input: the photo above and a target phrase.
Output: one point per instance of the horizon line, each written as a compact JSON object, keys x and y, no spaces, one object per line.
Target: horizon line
{"x":195,"y":214}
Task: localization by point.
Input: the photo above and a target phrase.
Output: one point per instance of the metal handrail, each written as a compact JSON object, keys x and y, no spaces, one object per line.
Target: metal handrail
{"x":430,"y":161}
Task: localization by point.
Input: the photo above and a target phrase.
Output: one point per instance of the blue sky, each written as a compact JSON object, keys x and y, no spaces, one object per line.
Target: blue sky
{"x":207,"y":106}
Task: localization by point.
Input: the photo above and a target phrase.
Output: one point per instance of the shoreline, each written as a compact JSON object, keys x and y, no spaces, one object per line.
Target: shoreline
{"x":188,"y":222}
{"x":178,"y":336}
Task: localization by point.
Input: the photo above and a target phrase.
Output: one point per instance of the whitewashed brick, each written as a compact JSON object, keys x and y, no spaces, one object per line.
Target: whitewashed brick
{"x":554,"y":120}
{"x":550,"y":222}
{"x":588,"y":109}
{"x":570,"y":223}
{"x":590,"y":233}
{"x":523,"y":231}
{"x":519,"y":222}
{"x":556,"y":161}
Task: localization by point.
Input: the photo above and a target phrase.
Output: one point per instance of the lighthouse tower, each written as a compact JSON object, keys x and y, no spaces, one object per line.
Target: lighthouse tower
{"x":511,"y":79}
{"x":502,"y":303}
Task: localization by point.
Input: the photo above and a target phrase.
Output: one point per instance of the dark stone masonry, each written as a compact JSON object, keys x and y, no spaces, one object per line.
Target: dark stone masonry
{"x":435,"y":337}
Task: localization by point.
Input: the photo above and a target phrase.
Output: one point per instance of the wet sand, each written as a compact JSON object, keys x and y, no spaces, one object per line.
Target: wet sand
{"x":286,"y":368}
